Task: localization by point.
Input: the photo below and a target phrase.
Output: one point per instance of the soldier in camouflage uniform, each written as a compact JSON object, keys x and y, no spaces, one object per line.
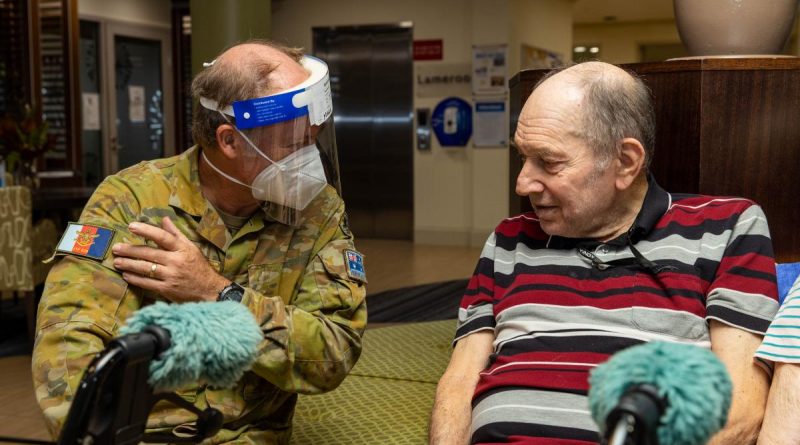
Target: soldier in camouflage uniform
{"x":175,"y":238}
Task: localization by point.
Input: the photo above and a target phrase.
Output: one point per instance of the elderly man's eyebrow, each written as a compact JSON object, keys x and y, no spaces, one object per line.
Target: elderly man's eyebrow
{"x":540,"y":150}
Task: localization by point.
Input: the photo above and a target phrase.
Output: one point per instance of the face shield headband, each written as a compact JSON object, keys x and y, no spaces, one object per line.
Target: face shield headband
{"x":311,"y":98}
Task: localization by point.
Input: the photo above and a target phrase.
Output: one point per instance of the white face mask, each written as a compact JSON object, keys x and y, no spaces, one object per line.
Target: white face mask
{"x":292,"y":182}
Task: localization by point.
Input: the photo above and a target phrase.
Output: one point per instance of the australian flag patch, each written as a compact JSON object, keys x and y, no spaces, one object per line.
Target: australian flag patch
{"x":85,"y":240}
{"x":354,"y":262}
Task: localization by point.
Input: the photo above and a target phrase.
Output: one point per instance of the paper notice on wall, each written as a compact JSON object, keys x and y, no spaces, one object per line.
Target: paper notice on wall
{"x":533,"y":58}
{"x":489,"y":69}
{"x":490,"y":123}
{"x":91,"y":111}
{"x":136,"y":103}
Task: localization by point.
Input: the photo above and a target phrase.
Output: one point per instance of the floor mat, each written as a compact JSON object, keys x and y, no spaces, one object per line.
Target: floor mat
{"x":365,"y":411}
{"x":414,"y":351}
{"x":388,"y":396}
{"x":426,"y":302}
{"x":13,"y":329}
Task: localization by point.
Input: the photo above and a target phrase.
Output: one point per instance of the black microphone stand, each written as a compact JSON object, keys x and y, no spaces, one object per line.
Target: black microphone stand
{"x":635,"y":419}
{"x":114,"y":399}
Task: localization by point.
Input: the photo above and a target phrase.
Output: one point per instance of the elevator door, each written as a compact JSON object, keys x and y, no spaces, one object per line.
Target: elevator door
{"x":371,"y":75}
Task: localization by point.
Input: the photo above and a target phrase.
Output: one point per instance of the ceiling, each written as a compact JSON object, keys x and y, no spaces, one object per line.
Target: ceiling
{"x":598,"y":11}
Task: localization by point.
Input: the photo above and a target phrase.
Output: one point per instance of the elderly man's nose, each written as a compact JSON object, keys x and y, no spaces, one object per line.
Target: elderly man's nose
{"x":528,"y":182}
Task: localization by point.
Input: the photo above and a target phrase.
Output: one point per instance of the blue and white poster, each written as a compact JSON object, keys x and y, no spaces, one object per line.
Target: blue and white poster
{"x":491,"y":123}
{"x":452,"y":122}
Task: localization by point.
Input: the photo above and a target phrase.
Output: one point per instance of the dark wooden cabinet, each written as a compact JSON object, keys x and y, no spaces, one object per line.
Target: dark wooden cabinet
{"x":723,"y":127}
{"x":56,"y":86}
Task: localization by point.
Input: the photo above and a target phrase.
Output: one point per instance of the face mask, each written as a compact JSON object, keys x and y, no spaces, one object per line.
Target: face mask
{"x":292,"y":182}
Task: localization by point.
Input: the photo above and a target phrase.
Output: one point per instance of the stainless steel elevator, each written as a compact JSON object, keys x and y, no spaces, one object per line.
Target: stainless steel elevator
{"x":371,"y":73}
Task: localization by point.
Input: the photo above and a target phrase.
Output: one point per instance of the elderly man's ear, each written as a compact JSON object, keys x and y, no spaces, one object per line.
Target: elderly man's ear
{"x":630,"y":163}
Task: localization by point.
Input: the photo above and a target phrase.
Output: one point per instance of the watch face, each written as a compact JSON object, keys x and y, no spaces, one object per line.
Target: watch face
{"x":232,"y":292}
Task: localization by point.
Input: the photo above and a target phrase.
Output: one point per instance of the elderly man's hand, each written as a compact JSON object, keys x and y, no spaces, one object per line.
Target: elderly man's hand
{"x":177,"y":269}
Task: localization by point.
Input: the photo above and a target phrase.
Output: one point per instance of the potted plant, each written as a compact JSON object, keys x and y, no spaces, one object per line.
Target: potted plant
{"x":734,"y":27}
{"x":22,"y":141}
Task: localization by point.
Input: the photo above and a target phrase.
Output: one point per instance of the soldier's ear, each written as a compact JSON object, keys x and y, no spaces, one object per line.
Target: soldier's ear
{"x":226,"y":140}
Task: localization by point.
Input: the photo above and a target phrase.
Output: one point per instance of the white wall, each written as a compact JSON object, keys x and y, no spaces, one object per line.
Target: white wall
{"x":292,"y":20}
{"x":142,"y":12}
{"x":460,"y":194}
{"x":620,"y":42}
{"x":491,"y":23}
{"x":545,"y":24}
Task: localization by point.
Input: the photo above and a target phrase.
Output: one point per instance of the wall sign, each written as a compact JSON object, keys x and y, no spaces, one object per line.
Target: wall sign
{"x":452,"y":122}
{"x":428,"y":49}
{"x":442,"y":79}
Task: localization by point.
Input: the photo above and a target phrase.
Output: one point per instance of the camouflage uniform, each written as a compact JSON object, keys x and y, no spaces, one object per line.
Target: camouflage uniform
{"x":311,"y":311}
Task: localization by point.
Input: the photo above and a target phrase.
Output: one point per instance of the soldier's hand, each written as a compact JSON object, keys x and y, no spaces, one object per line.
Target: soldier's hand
{"x":177,"y":269}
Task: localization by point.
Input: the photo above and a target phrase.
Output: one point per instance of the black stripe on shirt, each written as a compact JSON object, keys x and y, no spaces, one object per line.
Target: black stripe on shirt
{"x":475,"y":324}
{"x":693,"y":232}
{"x":749,"y":243}
{"x":498,"y":432}
{"x":578,"y":343}
{"x":737,"y":319}
{"x":628,"y":290}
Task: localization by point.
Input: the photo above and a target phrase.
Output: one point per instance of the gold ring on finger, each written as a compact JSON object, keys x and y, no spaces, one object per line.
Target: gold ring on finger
{"x":153,"y":268}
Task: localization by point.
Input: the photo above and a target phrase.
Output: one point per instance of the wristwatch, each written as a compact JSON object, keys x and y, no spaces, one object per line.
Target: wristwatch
{"x":231,"y":292}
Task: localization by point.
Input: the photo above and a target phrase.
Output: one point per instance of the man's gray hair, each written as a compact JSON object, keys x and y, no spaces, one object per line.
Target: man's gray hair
{"x":615,"y":107}
{"x":227,"y":83}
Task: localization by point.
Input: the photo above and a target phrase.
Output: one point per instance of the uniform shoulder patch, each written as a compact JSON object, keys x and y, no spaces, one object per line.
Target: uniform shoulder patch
{"x":86,"y":240}
{"x":354,"y":263}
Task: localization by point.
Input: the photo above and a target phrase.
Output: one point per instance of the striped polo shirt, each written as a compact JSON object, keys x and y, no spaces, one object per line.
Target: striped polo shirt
{"x":782,"y":342}
{"x":560,"y":306}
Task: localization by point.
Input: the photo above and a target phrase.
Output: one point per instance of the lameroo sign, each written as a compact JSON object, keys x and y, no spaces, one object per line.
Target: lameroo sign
{"x":442,"y":80}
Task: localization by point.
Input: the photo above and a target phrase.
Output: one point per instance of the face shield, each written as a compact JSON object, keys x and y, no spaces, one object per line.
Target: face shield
{"x":293,"y":130}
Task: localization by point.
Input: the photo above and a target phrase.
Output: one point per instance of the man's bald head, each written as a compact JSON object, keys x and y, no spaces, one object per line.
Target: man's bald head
{"x":609,"y":104}
{"x":252,"y":69}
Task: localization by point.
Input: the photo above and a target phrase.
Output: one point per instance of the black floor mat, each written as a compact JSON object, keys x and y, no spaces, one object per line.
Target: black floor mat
{"x":426,"y":302}
{"x":13,"y":329}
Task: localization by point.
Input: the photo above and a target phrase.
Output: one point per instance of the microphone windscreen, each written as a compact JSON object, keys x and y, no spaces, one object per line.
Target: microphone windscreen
{"x":212,"y":343}
{"x":692,"y":379}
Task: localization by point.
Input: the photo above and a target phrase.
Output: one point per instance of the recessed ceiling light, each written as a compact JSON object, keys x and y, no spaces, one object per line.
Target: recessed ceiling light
{"x":580,"y":49}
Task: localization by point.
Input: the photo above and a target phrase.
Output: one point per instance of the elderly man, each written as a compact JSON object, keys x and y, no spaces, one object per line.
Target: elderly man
{"x":246,"y":215}
{"x":607,"y":260}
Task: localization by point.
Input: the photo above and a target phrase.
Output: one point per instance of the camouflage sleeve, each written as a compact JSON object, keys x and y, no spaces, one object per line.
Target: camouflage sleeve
{"x":312,"y":343}
{"x":80,"y":309}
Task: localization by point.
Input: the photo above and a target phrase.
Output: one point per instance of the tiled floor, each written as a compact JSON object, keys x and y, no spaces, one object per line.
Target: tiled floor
{"x":390,"y":264}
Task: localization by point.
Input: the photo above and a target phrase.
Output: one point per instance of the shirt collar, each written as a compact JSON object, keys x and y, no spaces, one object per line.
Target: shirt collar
{"x":185,"y":191}
{"x":655,"y":204}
